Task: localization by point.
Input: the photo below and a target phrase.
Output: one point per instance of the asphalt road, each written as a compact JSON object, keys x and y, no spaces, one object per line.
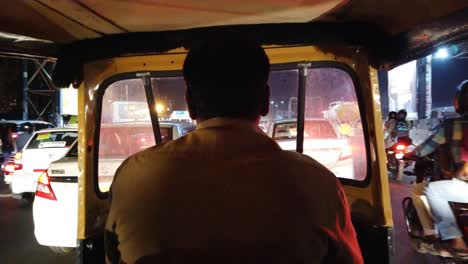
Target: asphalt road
{"x":17,"y":241}
{"x":403,"y":251}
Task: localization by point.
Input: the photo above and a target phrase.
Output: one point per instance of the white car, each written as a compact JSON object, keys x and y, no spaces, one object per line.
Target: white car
{"x":55,"y":207}
{"x":44,"y":147}
{"x":321,"y":142}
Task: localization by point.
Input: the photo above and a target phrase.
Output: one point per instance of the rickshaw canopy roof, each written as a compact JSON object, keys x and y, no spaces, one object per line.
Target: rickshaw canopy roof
{"x":76,"y":31}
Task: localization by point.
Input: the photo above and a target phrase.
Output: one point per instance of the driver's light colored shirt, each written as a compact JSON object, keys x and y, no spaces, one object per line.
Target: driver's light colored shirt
{"x":227,"y":193}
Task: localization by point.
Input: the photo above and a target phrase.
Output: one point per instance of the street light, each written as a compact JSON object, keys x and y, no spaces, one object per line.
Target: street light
{"x":442,"y":53}
{"x":159,"y":108}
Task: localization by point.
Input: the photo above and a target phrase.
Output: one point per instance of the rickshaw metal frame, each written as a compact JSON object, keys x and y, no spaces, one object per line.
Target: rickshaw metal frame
{"x":374,"y":195}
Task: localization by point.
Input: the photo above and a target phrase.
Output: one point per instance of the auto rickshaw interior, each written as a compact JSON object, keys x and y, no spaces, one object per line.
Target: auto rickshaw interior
{"x":125,"y":57}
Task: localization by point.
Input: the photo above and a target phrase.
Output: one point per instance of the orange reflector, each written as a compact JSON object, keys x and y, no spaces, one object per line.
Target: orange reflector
{"x":18,"y":156}
{"x":44,"y":178}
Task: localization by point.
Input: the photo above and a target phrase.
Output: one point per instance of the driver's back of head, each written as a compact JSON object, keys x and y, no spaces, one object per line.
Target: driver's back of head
{"x":227,"y":76}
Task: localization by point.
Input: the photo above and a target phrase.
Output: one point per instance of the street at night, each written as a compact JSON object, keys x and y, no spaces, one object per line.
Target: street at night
{"x":17,"y":241}
{"x":262,"y":131}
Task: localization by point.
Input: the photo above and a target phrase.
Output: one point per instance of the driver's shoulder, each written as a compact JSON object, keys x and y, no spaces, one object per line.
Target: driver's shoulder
{"x":307,"y":166}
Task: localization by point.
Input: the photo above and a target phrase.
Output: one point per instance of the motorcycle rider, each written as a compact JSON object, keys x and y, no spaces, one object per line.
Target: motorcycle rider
{"x":452,"y":136}
{"x":389,"y":126}
{"x":401,"y":131}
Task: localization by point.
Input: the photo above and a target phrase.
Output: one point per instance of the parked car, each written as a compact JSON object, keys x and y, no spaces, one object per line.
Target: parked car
{"x":55,"y":208}
{"x":321,"y":142}
{"x":44,"y":147}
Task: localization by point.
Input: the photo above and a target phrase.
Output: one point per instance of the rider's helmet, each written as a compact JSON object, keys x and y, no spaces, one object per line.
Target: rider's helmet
{"x":461,"y":98}
{"x":402,"y":114}
{"x":392,"y":115}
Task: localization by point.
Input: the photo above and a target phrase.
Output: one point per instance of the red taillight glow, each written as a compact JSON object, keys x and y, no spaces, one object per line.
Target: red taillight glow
{"x":400,"y":147}
{"x":11,"y":167}
{"x":14,"y":135}
{"x":44,"y":189}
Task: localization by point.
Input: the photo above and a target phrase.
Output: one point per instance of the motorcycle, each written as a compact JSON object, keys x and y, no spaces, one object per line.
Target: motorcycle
{"x":431,"y":244}
{"x":395,"y":162}
{"x":418,"y":220}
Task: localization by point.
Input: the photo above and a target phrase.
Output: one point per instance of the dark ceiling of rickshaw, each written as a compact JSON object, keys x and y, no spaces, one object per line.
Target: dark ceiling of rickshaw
{"x":394,"y":30}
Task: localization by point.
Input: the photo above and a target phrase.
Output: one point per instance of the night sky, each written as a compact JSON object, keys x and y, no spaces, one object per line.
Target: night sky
{"x":446,"y":76}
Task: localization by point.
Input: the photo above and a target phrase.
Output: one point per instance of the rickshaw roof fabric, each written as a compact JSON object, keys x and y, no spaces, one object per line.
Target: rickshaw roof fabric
{"x":392,"y":31}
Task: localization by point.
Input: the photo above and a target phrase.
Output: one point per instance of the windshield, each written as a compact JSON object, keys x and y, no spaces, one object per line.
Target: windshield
{"x":56,"y":139}
{"x":332,"y":127}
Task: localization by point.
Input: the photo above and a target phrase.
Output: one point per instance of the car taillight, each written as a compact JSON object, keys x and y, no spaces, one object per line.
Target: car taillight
{"x":400,"y":147}
{"x":10,"y":167}
{"x":14,"y":136}
{"x":44,"y":189}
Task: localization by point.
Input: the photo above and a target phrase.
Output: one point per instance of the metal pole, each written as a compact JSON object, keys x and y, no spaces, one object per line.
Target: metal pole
{"x":384,"y":93}
{"x":146,"y":78}
{"x":421,"y":87}
{"x":301,"y":106}
{"x":25,"y":90}
{"x":58,"y":108}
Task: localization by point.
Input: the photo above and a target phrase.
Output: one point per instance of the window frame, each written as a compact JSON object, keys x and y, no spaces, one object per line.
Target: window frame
{"x":276,"y":67}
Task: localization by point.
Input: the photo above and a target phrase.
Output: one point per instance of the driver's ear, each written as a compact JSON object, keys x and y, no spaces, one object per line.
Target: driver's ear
{"x":265,"y":104}
{"x":190,"y":104}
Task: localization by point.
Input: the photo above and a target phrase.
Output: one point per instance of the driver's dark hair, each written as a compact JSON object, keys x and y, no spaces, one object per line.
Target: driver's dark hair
{"x":226,"y":76}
